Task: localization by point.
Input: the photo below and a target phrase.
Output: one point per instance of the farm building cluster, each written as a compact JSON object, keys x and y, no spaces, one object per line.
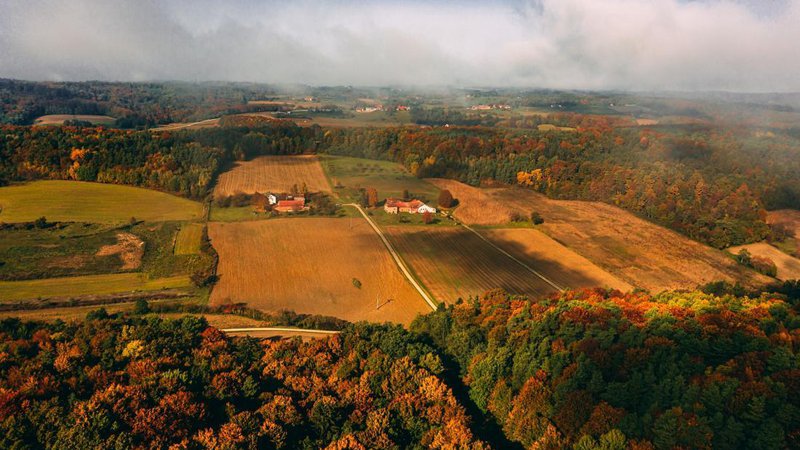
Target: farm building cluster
{"x":395,"y":206}
{"x":279,"y":202}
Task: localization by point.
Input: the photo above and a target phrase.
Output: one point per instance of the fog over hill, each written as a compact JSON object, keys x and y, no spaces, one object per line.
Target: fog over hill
{"x":730,"y":45}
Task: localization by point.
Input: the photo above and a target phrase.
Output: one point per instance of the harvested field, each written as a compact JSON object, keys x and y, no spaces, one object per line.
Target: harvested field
{"x":87,"y":285}
{"x":553,"y":260}
{"x":77,"y":201}
{"x":272,"y":174}
{"x":309,"y":266}
{"x":59,"y":119}
{"x":635,"y":251}
{"x":453,"y":263}
{"x":129,"y":248}
{"x":189,"y":239}
{"x":788,"y":267}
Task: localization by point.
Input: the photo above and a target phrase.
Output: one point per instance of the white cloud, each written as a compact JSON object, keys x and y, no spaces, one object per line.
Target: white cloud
{"x":591,"y":44}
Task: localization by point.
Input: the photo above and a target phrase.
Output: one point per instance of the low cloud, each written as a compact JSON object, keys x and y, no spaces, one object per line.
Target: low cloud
{"x":582,"y":44}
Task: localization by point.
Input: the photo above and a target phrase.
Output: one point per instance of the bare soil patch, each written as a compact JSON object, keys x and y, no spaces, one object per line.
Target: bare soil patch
{"x":129,"y":248}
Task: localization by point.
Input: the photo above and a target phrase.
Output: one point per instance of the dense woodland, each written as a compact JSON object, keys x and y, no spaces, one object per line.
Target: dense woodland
{"x":586,"y":370}
{"x":134,"y":105}
{"x":147,"y":383}
{"x":711,"y":184}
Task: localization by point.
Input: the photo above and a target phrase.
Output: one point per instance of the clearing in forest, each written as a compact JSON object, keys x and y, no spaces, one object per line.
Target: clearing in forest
{"x":634,"y":250}
{"x":59,"y":119}
{"x":333,"y":267}
{"x":77,"y":201}
{"x":272,"y":174}
{"x":452,"y":263}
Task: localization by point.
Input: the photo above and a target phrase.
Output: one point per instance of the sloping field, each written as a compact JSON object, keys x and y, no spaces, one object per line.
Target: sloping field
{"x":58,"y":119}
{"x":309,"y":266}
{"x":272,"y":174}
{"x":553,"y":260}
{"x":453,"y":263}
{"x":75,"y":201}
{"x":189,"y":239}
{"x":87,"y":285}
{"x":788,"y":267}
{"x":637,"y":252}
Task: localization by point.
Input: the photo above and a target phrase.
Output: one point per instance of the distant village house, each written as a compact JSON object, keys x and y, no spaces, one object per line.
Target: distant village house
{"x":395,"y":206}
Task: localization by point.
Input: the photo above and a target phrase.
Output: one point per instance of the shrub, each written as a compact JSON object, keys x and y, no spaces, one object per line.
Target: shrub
{"x":537,"y":218}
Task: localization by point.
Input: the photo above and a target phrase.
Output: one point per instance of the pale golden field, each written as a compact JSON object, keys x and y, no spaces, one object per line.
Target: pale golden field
{"x":58,"y":119}
{"x":272,"y":174}
{"x":454,"y":263}
{"x":635,"y":251}
{"x":788,"y":267}
{"x":308,"y":266}
{"x":556,"y":262}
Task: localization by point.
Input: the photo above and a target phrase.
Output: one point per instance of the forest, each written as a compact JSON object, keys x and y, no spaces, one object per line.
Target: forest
{"x":586,"y":370}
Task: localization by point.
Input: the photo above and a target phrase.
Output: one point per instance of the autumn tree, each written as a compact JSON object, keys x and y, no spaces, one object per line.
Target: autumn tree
{"x":372,"y":197}
{"x":445,"y":198}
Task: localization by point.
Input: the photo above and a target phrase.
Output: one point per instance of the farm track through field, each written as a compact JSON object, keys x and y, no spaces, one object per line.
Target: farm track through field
{"x":397,"y":259}
{"x":454,"y":263}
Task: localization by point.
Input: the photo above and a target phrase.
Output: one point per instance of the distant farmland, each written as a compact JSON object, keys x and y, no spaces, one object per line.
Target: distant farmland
{"x":272,"y":174}
{"x":59,"y":119}
{"x":453,"y":263}
{"x":634,"y":250}
{"x":309,"y":265}
{"x":87,"y":285}
{"x":74,"y":201}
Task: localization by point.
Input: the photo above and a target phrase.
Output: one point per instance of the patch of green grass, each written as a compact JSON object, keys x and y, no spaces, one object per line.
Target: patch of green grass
{"x":388,"y":178}
{"x":235,"y":214}
{"x":63,"y":250}
{"x":87,"y":285}
{"x":383,"y":218}
{"x":189,"y":239}
{"x":74,"y":201}
{"x":159,"y":259}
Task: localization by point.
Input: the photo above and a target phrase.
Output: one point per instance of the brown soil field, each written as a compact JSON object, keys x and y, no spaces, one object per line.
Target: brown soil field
{"x":308,"y":265}
{"x":272,"y":173}
{"x":634,"y":250}
{"x":129,"y":248}
{"x":58,"y":119}
{"x":453,"y":263}
{"x":788,"y":267}
{"x":556,"y":262}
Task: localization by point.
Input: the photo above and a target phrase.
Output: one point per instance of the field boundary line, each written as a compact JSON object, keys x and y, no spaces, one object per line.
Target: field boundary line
{"x":301,"y":330}
{"x":529,"y":268}
{"x":400,"y":263}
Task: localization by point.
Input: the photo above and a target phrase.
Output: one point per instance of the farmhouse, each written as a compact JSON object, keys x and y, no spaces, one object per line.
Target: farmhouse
{"x":294,"y":205}
{"x":394,"y":206}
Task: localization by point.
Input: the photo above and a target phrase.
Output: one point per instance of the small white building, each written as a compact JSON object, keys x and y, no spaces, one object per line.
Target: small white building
{"x":425,"y":208}
{"x":272,"y":199}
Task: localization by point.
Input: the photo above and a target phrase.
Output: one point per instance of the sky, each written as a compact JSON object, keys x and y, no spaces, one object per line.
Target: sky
{"x":669,"y":45}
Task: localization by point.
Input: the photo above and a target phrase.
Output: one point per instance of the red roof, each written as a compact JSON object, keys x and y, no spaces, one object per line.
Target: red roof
{"x":413,"y":204}
{"x":301,"y":202}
